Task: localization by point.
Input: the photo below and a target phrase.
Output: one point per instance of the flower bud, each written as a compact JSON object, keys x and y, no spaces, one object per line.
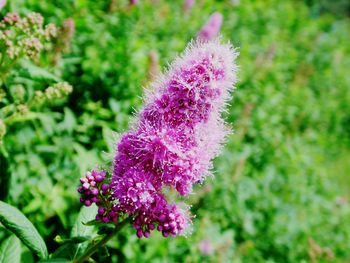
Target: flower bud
{"x":2,"y":130}
{"x":18,"y":92}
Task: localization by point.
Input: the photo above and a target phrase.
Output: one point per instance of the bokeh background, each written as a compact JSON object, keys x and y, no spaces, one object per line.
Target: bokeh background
{"x":281,"y":187}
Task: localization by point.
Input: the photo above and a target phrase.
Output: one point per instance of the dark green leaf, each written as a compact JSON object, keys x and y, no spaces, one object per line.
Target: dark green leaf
{"x":55,"y":260}
{"x":5,"y":176}
{"x":18,"y":223}
{"x":66,"y":251}
{"x":105,"y":229}
{"x":92,"y":223}
{"x":77,"y":240}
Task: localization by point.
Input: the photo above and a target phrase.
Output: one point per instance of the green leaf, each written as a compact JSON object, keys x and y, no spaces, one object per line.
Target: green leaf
{"x":79,"y":229}
{"x":10,"y":250}
{"x":93,"y":222}
{"x":106,"y":229}
{"x":34,"y":72}
{"x":19,"y":224}
{"x":110,"y":137}
{"x":54,"y":260}
{"x":66,"y":251}
{"x":77,"y":240}
{"x":85,"y":214}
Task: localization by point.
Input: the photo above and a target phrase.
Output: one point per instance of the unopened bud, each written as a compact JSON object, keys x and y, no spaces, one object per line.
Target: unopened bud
{"x":22,"y":109}
{"x":2,"y":130}
{"x":18,"y":92}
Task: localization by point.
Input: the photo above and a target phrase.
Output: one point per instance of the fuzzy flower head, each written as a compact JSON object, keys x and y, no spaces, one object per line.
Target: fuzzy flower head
{"x":170,"y":144}
{"x":212,"y":28}
{"x":173,"y":140}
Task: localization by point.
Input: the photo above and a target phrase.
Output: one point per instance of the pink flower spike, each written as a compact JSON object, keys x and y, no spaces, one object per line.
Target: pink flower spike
{"x":205,"y":247}
{"x":172,"y":143}
{"x":188,"y":5}
{"x":212,"y":28}
{"x":2,"y":3}
{"x":169,"y":145}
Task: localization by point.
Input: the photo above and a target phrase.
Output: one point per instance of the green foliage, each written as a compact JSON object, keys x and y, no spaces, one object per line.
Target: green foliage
{"x":54,"y":260}
{"x":16,"y":222}
{"x":79,"y":229}
{"x":10,"y":250}
{"x":281,"y":187}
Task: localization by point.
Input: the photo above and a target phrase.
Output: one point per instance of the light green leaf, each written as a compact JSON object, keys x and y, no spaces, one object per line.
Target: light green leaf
{"x":79,"y":229}
{"x":110,"y":137}
{"x":10,"y":250}
{"x":19,"y":224}
{"x":37,"y":73}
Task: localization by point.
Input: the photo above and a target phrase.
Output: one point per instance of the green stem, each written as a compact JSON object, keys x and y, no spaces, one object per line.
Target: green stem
{"x":88,"y":253}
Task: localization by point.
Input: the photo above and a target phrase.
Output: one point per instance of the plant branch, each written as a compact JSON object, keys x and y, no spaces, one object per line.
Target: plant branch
{"x":88,"y":253}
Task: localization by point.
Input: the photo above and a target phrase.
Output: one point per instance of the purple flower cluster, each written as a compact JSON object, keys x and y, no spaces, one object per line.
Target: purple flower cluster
{"x":94,"y":189}
{"x":90,"y":188}
{"x":178,"y":133}
{"x":176,"y":136}
{"x":212,"y":28}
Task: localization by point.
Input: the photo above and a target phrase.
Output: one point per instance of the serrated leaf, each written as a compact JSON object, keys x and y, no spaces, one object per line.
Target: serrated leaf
{"x":19,"y":224}
{"x":10,"y":250}
{"x":79,"y":229}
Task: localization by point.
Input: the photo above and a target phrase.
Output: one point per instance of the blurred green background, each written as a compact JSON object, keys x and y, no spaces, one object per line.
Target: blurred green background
{"x":281,"y":186}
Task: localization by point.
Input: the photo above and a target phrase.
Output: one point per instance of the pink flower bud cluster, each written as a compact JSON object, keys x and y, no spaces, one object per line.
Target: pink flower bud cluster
{"x":51,"y":94}
{"x":64,"y":38}
{"x":95,"y":189}
{"x":91,"y":187}
{"x":187,"y":5}
{"x":133,"y":2}
{"x":25,"y":36}
{"x":2,"y":4}
{"x":67,"y":32}
{"x":212,"y":28}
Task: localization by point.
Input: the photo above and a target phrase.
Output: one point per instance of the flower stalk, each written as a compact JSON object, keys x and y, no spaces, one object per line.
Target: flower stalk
{"x":88,"y":253}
